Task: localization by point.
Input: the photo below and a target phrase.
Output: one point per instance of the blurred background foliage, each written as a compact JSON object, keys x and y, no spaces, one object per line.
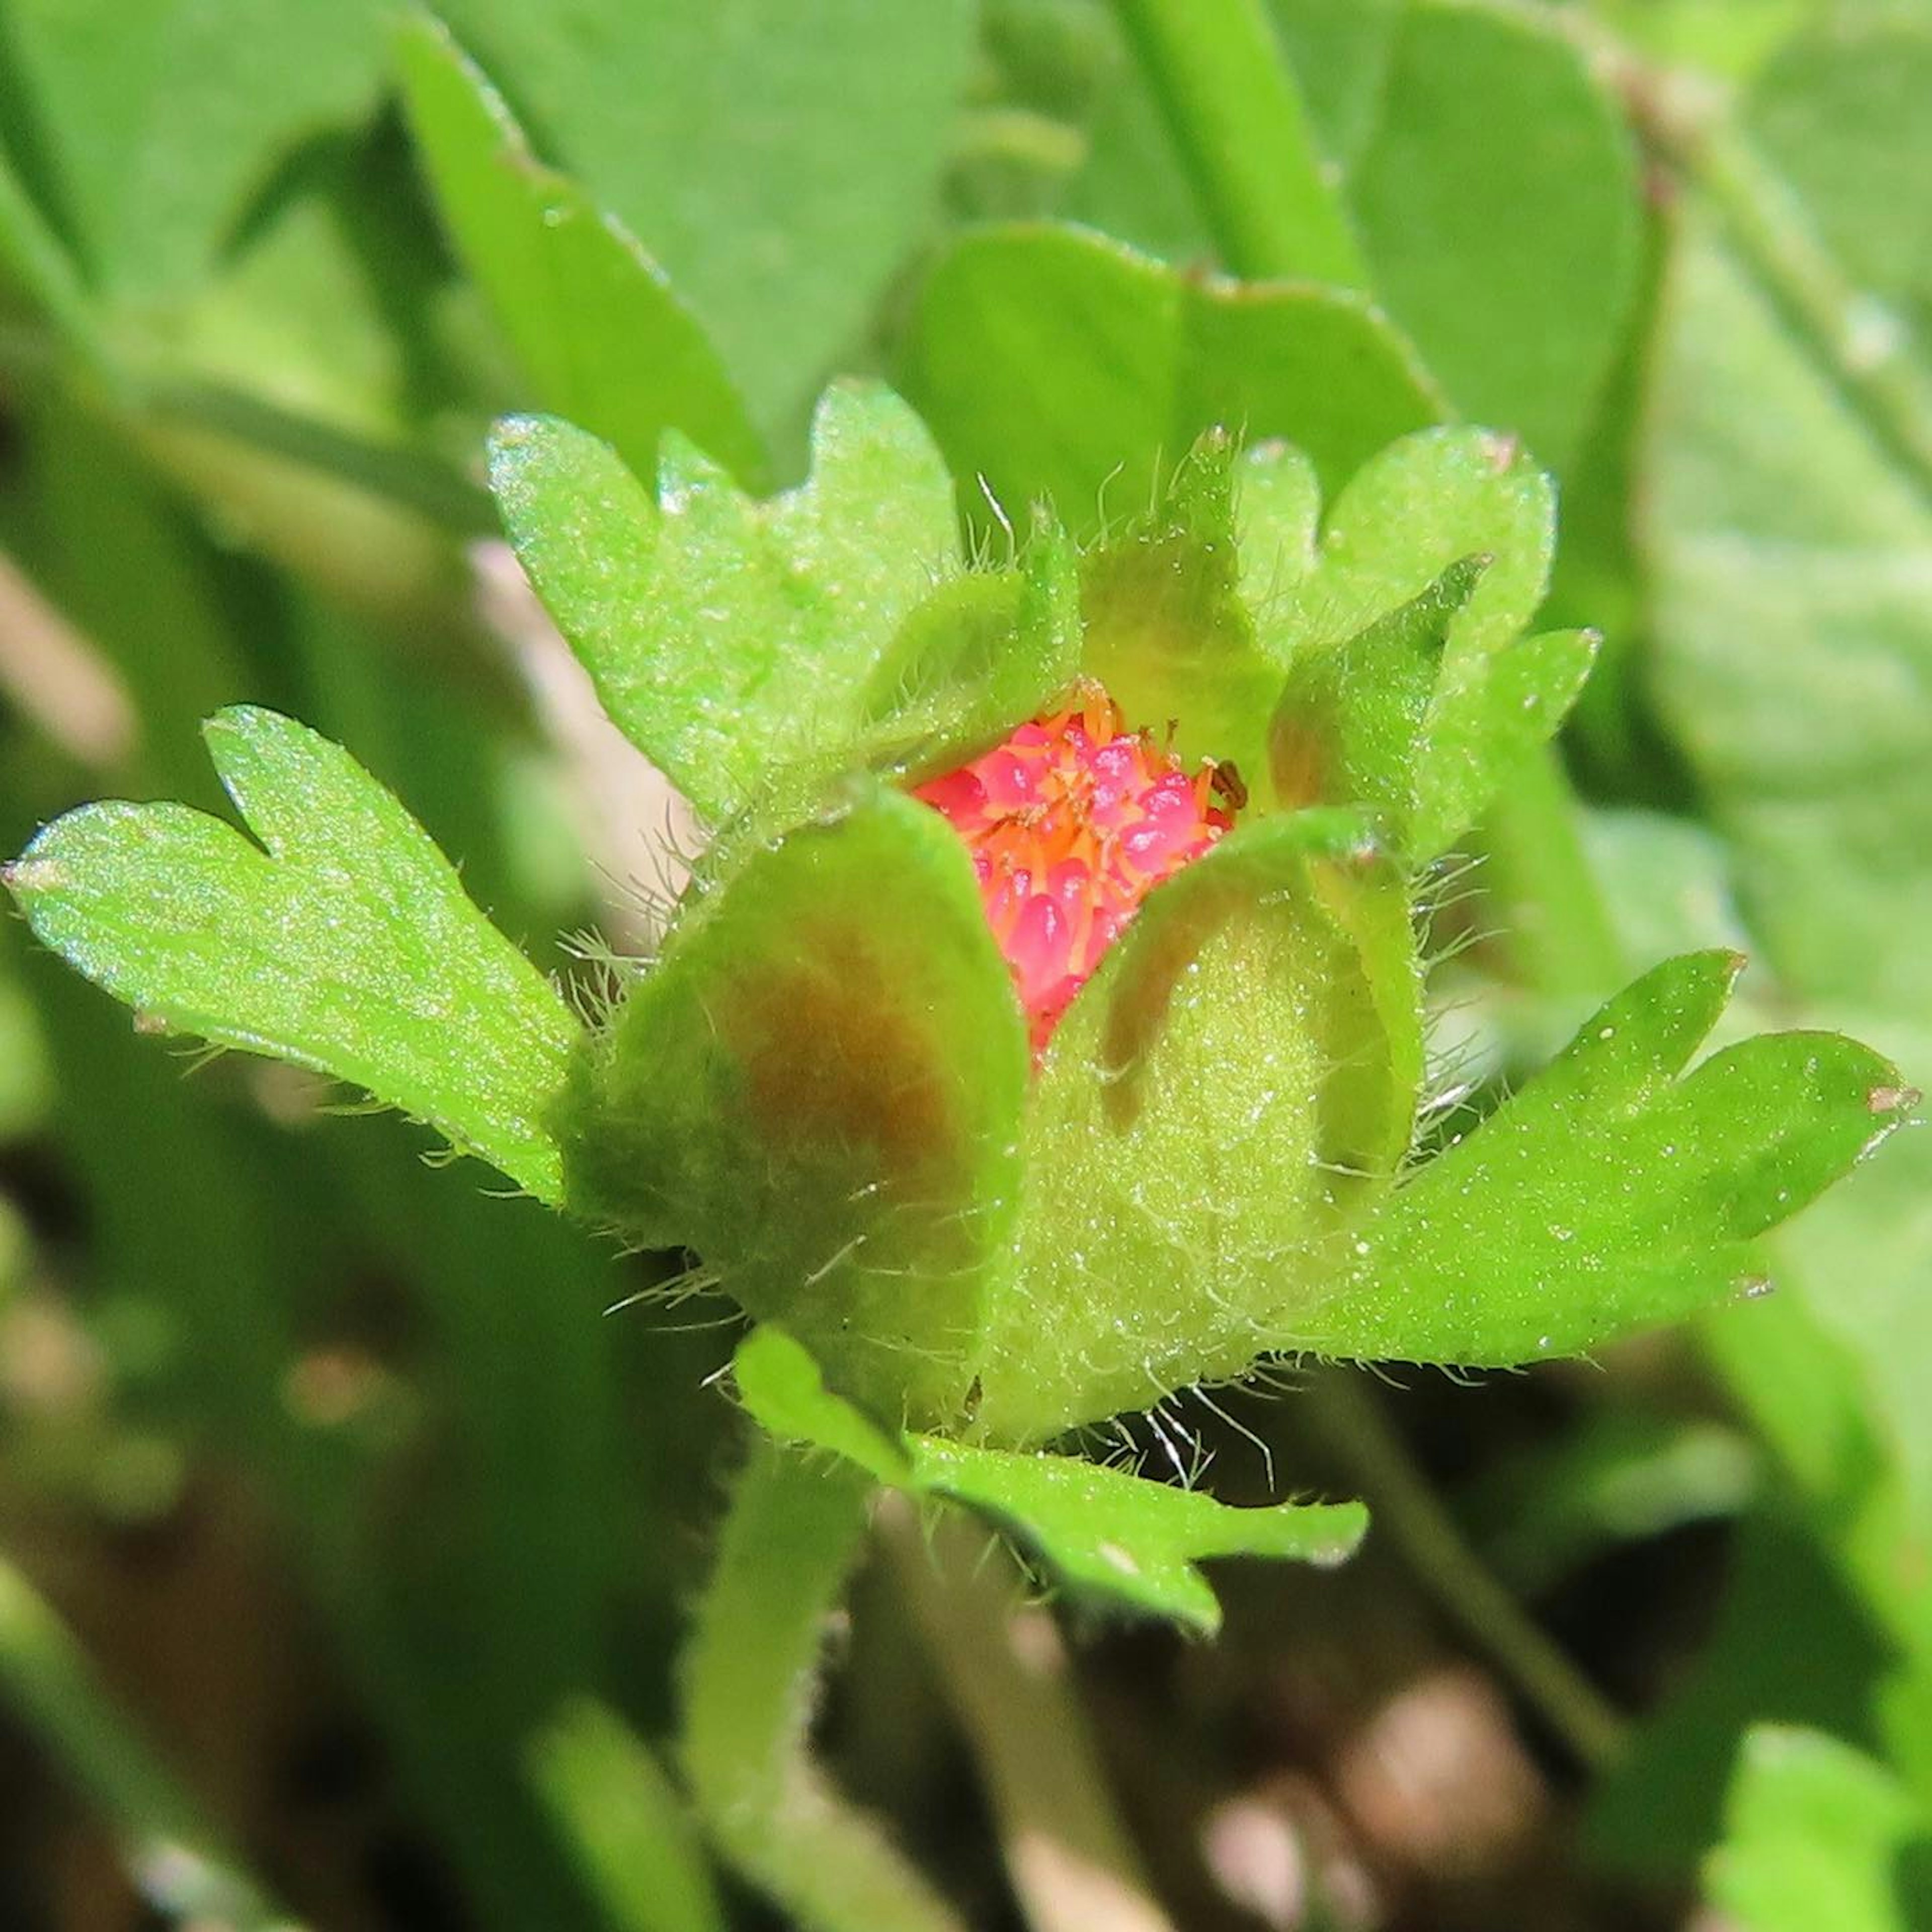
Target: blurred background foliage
{"x":341,"y":1540}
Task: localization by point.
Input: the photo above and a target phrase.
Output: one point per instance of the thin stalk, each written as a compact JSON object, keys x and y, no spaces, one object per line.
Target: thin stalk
{"x":1230,"y":102}
{"x":750,"y":1675}
{"x":173,"y":1856}
{"x":1866,"y":349}
{"x":405,"y":477}
{"x":32,"y":256}
{"x":1006,"y":1674}
{"x":1402,"y":1502}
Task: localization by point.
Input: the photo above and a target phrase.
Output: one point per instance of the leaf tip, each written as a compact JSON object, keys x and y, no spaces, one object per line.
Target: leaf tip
{"x":26,"y":875}
{"x":1883,"y":1100}
{"x":1501,"y":448}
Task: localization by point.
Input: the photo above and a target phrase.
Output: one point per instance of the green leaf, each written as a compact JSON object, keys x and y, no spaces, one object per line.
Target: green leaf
{"x":1058,"y":364}
{"x":603,"y":337}
{"x":1100,"y":1532}
{"x":1498,"y":202}
{"x":779,"y":161}
{"x":1220,"y":1099}
{"x":168,"y":116}
{"x":1788,"y":553}
{"x":1509,"y":1246}
{"x":1818,"y":1834}
{"x":816,"y":1087}
{"x":629,"y":1825}
{"x":1489,"y":178}
{"x":726,"y":636}
{"x":1840,"y":112}
{"x":982,"y":652}
{"x":344,"y":942}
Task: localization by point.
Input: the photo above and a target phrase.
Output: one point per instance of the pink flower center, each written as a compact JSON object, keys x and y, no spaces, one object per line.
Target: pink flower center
{"x":1072,"y":821}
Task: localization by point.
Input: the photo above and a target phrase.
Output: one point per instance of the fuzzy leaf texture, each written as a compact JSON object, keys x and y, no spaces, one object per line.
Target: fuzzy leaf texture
{"x":731,"y":639}
{"x":343,"y":942}
{"x":1101,"y":1533}
{"x":1616,"y":1191}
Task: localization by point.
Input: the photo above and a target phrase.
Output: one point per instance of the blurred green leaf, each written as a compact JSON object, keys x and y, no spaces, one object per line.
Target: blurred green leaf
{"x":1509,"y":1246}
{"x":1101,"y":1531}
{"x":166,"y":117}
{"x":726,"y":636}
{"x":816,"y":1087}
{"x":633,"y":1832}
{"x":1660,"y":1811}
{"x":778,"y":161}
{"x":1841,"y":112}
{"x":604,"y":337}
{"x":1788,"y":540}
{"x":1489,"y":179}
{"x":1497,"y":201}
{"x":348,"y":945}
{"x":1788,"y":555}
{"x":1057,"y":364}
{"x":1817,"y":1834}
{"x":1620,"y":1475}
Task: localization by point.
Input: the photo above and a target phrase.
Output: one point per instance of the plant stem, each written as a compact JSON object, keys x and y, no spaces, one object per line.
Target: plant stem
{"x":749,"y":1674}
{"x":1345,"y":1412}
{"x":1005,"y":1671}
{"x":1231,"y":103}
{"x":170,"y":1852}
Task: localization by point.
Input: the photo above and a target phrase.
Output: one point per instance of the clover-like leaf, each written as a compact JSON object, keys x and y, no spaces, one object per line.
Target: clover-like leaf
{"x":603,"y":337}
{"x":817,"y":1088}
{"x":1057,"y":363}
{"x":1611,"y":1193}
{"x":343,"y":942}
{"x":1215,"y":1106}
{"x":1101,"y":1531}
{"x":726,"y":636}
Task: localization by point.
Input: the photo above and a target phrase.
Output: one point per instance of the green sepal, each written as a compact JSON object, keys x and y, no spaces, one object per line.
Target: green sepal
{"x":985,"y":650}
{"x":754,"y":650}
{"x":603,"y":337}
{"x":343,"y":942}
{"x":1349,"y":726}
{"x":1220,"y":1099}
{"x":1614,"y":1192}
{"x":1101,"y":1532}
{"x":817,"y":1086}
{"x":1406,"y":518}
{"x":1167,"y":632}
